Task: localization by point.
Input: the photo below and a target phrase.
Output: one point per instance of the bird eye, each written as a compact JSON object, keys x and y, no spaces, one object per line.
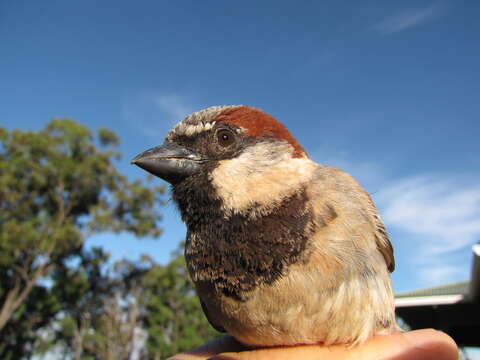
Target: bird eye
{"x":225,"y":137}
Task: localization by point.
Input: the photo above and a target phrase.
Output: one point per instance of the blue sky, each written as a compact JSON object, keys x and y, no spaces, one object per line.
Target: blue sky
{"x":388,"y":91}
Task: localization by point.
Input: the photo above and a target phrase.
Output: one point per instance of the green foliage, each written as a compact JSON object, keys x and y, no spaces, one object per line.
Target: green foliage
{"x":58,"y":186}
{"x":175,"y":319}
{"x":21,"y":336}
{"x":114,"y":302}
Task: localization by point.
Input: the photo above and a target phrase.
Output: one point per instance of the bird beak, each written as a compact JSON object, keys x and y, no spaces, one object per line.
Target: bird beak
{"x":169,"y":161}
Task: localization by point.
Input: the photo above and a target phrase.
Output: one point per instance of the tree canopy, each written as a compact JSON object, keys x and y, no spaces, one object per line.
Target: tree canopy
{"x":58,"y":186}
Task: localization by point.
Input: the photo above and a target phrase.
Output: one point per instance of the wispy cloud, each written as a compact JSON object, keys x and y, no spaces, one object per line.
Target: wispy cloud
{"x":445,"y":211}
{"x":439,"y":272}
{"x":153,"y":114}
{"x":409,"y":19}
{"x":437,"y":216}
{"x":440,"y":215}
{"x":175,"y":106}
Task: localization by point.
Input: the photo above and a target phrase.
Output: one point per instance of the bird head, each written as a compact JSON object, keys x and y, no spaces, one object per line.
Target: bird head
{"x":248,"y":138}
{"x":229,"y":160}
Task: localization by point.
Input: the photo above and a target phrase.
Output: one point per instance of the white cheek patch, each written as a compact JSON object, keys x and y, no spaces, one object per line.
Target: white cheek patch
{"x":260,"y":178}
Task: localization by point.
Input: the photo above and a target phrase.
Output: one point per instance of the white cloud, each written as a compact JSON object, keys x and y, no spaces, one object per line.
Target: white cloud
{"x":440,"y":216}
{"x":173,"y":105}
{"x":435,"y":273}
{"x":154,"y":114}
{"x":408,"y":19}
{"x":445,"y":210}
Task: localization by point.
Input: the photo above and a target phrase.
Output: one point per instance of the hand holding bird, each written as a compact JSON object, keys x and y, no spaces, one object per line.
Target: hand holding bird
{"x":425,"y":344}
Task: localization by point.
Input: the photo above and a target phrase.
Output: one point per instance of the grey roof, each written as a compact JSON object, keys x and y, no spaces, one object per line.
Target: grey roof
{"x":456,"y":288}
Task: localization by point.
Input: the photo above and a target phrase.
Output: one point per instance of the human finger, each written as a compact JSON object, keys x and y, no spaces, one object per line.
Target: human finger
{"x":426,"y":344}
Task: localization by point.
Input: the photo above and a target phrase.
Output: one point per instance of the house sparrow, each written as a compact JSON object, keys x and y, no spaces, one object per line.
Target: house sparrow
{"x":282,"y":250}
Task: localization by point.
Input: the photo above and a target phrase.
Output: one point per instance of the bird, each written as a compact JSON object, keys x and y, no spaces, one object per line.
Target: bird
{"x":282,"y":250}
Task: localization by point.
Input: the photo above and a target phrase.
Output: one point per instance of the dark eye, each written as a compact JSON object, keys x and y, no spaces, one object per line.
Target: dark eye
{"x":225,"y":137}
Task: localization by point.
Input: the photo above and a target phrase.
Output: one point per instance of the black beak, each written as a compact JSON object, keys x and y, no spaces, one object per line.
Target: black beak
{"x":169,"y":161}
